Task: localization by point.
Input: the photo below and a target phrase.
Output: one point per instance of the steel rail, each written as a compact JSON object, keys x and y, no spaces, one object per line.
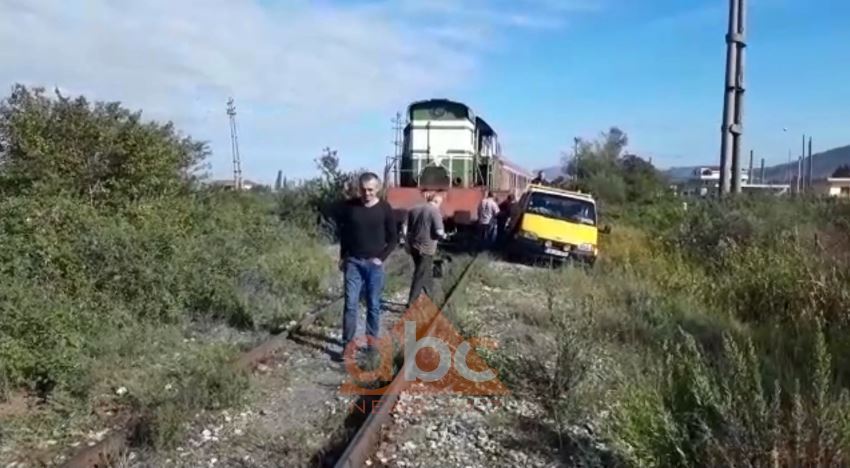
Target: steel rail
{"x":108,"y":451}
{"x":361,"y":446}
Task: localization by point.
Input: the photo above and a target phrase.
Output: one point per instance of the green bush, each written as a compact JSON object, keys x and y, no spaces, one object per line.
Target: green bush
{"x":72,"y":274}
{"x":100,"y":152}
{"x":110,"y":254}
{"x":202,"y":379}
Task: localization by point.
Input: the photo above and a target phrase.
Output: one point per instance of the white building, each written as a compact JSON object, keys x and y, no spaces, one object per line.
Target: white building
{"x":706,"y":179}
{"x":836,"y":187}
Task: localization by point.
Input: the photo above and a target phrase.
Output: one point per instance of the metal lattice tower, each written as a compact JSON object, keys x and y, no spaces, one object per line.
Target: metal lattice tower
{"x":733,"y":104}
{"x":234,"y":146}
{"x":398,"y":128}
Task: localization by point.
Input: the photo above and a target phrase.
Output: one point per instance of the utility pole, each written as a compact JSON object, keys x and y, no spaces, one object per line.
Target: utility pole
{"x":733,"y":104}
{"x":576,"y":141}
{"x":234,"y":146}
{"x":802,"y":169}
{"x":397,"y":144}
{"x":811,"y":165}
{"x":750,"y":171}
{"x":278,"y":183}
{"x":397,"y":128}
{"x":761,"y":179}
{"x":799,"y":174}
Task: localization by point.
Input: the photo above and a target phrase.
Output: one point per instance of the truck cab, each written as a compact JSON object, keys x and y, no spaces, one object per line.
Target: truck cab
{"x":554,"y":223}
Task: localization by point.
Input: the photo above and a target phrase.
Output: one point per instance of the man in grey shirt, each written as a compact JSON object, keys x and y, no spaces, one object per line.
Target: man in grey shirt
{"x":424,"y":227}
{"x":488,"y":210}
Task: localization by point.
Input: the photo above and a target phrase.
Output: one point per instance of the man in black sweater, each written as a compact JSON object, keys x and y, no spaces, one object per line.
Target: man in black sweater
{"x":367,"y":237}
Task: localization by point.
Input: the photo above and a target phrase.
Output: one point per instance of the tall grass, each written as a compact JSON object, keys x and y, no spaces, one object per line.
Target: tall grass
{"x":730,"y":325}
{"x":712,"y":410}
{"x":96,"y":300}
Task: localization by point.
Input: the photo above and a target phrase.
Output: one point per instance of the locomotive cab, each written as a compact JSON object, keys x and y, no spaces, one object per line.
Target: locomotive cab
{"x":446,"y":147}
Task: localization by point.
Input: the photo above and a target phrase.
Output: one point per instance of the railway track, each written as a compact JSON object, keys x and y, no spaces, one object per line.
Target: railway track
{"x":356,"y":448}
{"x":362,"y":445}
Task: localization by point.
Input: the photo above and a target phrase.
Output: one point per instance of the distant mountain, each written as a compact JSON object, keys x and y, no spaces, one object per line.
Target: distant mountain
{"x":675,"y":174}
{"x":823,"y":165}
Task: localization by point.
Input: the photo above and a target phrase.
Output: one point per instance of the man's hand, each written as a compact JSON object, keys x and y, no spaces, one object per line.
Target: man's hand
{"x":377,"y":261}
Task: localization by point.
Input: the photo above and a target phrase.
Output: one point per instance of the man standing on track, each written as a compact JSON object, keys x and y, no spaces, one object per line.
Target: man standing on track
{"x":367,"y":237}
{"x":505,"y":211}
{"x":423,"y":228}
{"x":487,"y":211}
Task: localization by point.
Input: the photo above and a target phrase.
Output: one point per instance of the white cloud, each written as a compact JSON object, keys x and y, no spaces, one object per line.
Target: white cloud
{"x":297,"y":68}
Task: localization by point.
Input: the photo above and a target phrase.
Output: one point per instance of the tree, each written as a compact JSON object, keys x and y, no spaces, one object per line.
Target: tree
{"x":594,"y":157}
{"x":842,"y":171}
{"x":642,"y":180}
{"x":335,"y":183}
{"x":603,"y":168}
{"x":99,"y":151}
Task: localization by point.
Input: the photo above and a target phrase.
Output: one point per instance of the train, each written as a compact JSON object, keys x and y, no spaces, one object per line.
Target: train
{"x":446,"y":147}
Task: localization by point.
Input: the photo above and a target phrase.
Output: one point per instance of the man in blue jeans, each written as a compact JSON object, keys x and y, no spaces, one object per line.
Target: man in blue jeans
{"x":367,"y":237}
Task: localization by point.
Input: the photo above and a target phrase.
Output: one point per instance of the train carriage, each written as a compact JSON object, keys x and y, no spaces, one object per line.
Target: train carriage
{"x":447,"y":147}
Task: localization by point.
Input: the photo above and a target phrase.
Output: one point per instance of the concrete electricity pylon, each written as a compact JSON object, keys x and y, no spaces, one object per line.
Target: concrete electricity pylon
{"x":811,"y":166}
{"x":234,"y":146}
{"x":750,"y":171}
{"x":733,"y":104}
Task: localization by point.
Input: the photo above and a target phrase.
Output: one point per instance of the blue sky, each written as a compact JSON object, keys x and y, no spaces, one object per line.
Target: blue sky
{"x":309,"y":74}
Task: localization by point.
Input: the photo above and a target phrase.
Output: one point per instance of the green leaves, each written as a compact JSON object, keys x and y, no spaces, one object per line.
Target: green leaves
{"x":604,"y":169}
{"x":100,"y":152}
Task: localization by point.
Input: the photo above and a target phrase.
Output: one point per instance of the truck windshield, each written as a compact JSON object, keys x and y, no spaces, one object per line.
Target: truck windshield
{"x":564,"y":208}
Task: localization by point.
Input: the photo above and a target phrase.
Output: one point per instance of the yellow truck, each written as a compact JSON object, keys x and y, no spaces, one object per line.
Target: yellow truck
{"x":554,"y":223}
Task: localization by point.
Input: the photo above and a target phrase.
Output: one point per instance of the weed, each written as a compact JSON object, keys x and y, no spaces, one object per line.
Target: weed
{"x":202,"y":380}
{"x":709,"y":336}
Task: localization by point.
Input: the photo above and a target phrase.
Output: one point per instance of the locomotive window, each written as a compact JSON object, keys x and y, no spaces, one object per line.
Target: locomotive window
{"x":444,"y":111}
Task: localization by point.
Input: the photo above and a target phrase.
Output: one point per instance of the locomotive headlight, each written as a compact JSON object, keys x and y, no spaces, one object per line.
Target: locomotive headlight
{"x":585,"y":247}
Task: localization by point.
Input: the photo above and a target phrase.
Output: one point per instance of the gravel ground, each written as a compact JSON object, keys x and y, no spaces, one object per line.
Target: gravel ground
{"x":451,"y":430}
{"x":294,"y":413}
{"x":290,"y":416}
{"x":294,"y":410}
{"x":440,"y":431}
